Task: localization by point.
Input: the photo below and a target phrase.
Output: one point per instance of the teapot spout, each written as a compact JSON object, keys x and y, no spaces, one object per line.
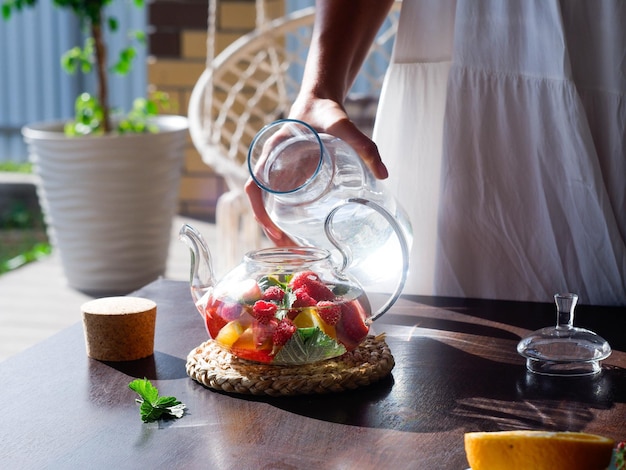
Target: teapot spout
{"x":201,"y":274}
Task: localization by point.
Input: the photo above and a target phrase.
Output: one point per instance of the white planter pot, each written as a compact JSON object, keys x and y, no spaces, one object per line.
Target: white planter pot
{"x":109,"y":201}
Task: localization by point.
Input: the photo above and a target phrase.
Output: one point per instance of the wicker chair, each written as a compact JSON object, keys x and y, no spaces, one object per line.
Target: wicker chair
{"x":250,"y":84}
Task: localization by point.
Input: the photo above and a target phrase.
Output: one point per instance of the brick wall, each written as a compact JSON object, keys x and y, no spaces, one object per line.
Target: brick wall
{"x":177,"y":45}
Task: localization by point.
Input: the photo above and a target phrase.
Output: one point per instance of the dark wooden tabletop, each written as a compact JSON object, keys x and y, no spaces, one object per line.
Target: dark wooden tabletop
{"x":456,"y":371}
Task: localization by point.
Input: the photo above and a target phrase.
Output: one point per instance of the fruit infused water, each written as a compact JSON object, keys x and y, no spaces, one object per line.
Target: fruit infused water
{"x":286,"y":318}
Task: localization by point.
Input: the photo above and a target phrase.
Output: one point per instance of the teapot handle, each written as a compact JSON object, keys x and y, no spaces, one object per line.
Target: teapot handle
{"x":347,"y":257}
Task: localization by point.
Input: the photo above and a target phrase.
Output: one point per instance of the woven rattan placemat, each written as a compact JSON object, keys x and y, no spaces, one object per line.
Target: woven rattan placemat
{"x":216,"y":368}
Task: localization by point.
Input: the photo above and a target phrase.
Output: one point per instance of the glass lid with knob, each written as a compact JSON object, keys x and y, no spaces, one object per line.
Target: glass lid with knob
{"x":564,"y":349}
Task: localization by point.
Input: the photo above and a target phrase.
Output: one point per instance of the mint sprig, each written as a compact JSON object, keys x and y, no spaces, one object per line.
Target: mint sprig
{"x":154,"y":407}
{"x":308,"y":345}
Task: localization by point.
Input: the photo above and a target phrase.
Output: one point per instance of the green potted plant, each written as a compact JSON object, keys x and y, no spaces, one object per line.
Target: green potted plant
{"x":108,"y":184}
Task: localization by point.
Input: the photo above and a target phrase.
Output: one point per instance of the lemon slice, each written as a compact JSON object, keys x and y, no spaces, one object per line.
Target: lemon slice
{"x":537,"y":450}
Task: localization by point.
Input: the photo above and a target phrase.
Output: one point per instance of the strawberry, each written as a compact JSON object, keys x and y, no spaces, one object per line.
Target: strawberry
{"x":246,"y":348}
{"x":264,"y":311}
{"x":263,"y":333}
{"x":230,"y":311}
{"x":620,"y":456}
{"x":303,"y":299}
{"x":319,"y":291}
{"x":212,"y":317}
{"x":328,"y":311}
{"x":298,"y":280}
{"x":247,"y":291}
{"x":273,"y":293}
{"x":214,"y":323}
{"x":352,"y":328}
{"x":312,"y":284}
{"x":284,"y":330}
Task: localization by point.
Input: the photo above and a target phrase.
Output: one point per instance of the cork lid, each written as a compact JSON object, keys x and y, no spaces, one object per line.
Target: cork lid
{"x":119,"y":328}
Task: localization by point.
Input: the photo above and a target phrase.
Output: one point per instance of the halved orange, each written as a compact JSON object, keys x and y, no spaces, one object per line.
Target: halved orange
{"x":537,"y":450}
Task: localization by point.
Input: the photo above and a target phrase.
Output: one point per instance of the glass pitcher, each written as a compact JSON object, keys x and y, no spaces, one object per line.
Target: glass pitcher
{"x":319,"y":192}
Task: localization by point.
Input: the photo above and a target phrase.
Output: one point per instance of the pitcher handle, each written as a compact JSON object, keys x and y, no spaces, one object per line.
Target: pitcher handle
{"x":347,"y":257}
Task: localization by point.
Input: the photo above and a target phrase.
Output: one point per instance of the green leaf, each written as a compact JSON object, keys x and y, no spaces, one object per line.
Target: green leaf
{"x":166,"y":402}
{"x":125,"y":61}
{"x":152,"y":109}
{"x":112,"y":23}
{"x":152,"y":406}
{"x":268,"y":281}
{"x":341,"y":289}
{"x":288,"y":299}
{"x":139,"y":36}
{"x":6,"y":11}
{"x":145,"y":389}
{"x":308,"y":345}
{"x":79,"y":58}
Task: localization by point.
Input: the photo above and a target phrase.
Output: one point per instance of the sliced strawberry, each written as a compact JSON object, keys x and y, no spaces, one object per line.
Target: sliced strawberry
{"x":311,"y":283}
{"x":328,"y":311}
{"x":352,"y":327}
{"x":246,"y":348}
{"x":261,"y":355}
{"x":319,"y":291}
{"x":299,"y":279}
{"x":214,"y":322}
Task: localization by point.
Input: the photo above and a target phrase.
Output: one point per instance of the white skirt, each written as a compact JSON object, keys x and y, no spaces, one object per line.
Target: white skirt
{"x":504,"y":131}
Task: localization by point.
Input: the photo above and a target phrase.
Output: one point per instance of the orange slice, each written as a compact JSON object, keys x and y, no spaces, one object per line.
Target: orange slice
{"x":309,"y":317}
{"x":229,"y":333}
{"x":537,"y":450}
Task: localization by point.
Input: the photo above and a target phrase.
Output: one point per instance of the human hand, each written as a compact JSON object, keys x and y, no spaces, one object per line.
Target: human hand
{"x":255,"y":196}
{"x":328,"y":116}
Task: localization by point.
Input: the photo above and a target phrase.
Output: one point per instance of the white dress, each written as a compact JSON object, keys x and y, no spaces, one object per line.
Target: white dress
{"x":503,"y":125}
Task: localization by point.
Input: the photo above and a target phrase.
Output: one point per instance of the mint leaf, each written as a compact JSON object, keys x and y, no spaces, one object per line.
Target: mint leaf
{"x":145,"y":389}
{"x":288,"y":299}
{"x":308,"y":345}
{"x":149,"y":413}
{"x":152,"y":406}
{"x":341,"y":289}
{"x":166,"y":402}
{"x":268,"y":281}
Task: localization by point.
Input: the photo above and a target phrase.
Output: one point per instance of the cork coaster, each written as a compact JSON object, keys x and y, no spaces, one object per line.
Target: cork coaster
{"x":119,"y":328}
{"x":216,"y":368}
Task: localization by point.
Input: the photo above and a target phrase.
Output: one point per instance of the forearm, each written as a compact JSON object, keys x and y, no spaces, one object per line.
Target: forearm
{"x":343,"y":33}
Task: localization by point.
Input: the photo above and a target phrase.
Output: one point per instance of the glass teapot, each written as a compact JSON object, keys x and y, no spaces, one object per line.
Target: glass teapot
{"x":284,"y":306}
{"x":317,"y":190}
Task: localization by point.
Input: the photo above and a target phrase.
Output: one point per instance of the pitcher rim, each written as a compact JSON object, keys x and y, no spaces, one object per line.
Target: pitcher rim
{"x":291,"y":255}
{"x":275,"y":123}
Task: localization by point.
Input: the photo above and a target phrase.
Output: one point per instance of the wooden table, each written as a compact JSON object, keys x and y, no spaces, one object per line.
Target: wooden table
{"x":456,"y":371}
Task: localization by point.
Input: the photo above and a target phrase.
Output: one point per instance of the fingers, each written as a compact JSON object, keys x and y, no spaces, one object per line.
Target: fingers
{"x":255,"y":196}
{"x":330,"y":117}
{"x":347,"y":131}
